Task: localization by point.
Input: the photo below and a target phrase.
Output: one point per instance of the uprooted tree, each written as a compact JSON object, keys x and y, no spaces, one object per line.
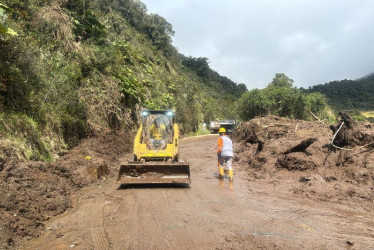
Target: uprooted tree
{"x":348,"y":134}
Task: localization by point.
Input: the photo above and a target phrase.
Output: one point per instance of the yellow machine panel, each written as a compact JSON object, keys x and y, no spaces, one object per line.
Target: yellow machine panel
{"x":156,"y":146}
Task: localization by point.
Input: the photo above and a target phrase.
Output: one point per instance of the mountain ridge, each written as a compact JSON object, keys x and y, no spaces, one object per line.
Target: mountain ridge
{"x":348,"y":94}
{"x":77,"y":67}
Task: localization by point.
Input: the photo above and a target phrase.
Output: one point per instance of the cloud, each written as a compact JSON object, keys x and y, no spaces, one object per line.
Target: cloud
{"x":312,"y":42}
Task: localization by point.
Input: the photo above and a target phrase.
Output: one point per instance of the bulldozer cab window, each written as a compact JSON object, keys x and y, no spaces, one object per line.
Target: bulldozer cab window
{"x":158,"y":130}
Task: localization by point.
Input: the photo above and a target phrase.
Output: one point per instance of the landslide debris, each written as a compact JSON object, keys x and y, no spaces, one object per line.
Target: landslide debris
{"x":298,"y":157}
{"x":33,"y":192}
{"x":350,"y":134}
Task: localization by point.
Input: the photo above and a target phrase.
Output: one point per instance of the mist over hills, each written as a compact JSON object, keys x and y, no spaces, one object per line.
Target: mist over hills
{"x":371,"y":75}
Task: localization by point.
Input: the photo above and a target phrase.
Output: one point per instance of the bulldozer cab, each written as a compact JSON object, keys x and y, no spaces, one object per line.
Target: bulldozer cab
{"x":157,"y":130}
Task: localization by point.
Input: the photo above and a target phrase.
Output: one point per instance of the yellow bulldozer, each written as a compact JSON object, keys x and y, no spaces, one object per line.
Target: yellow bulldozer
{"x":156,"y":149}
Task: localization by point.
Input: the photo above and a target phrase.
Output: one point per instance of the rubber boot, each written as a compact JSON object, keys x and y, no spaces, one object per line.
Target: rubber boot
{"x":220,"y":172}
{"x":231,"y":175}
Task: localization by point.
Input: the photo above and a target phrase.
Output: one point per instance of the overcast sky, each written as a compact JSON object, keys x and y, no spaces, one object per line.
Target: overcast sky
{"x":311,"y":41}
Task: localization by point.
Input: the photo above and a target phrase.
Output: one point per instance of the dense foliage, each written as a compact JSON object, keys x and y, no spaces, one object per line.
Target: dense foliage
{"x":212,"y":78}
{"x":281,"y":80}
{"x":348,"y":94}
{"x":80,"y":65}
{"x":4,"y":29}
{"x":281,"y":99}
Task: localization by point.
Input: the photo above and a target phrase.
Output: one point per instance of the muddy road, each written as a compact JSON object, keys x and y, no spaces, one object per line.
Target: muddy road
{"x":208,"y":214}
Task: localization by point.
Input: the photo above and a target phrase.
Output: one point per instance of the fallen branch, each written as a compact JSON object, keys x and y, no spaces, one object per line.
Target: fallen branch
{"x":301,"y":146}
{"x":275,"y":125}
{"x":316,"y":117}
{"x":347,"y":149}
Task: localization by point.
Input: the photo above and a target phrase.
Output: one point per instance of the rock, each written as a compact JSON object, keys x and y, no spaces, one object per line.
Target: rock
{"x":350,"y":243}
{"x":305,"y":179}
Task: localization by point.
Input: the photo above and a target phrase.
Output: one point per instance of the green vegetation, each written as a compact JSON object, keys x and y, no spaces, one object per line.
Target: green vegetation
{"x":353,"y":97}
{"x":4,"y":30}
{"x":21,"y":138}
{"x":281,"y":80}
{"x":368,"y":113}
{"x":281,"y":99}
{"x":200,"y":131}
{"x":70,"y":67}
{"x":82,"y":65}
{"x":348,"y":94}
{"x":355,"y":114}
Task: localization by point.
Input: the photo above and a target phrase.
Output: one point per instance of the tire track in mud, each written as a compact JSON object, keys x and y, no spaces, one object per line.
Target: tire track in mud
{"x":144,"y":227}
{"x":218,"y":201}
{"x":205,"y":201}
{"x":157,"y":219}
{"x":140,"y":219}
{"x":226,"y":203}
{"x":99,"y":238}
{"x":209,"y":215}
{"x":130,"y":231}
{"x":121,"y":214}
{"x":193,"y":210}
{"x":163,"y":220}
{"x":178,"y":217}
{"x":136,"y":235}
{"x":129,"y":208}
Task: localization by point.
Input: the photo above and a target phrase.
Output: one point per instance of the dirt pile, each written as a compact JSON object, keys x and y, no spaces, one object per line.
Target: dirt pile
{"x":298,"y":157}
{"x":351,"y":135}
{"x":33,"y":192}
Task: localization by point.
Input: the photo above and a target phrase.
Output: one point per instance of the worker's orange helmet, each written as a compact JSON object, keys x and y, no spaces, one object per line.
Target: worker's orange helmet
{"x":222,"y":130}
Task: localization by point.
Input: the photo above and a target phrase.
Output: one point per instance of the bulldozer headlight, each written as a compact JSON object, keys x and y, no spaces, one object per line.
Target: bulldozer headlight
{"x":169,"y":114}
{"x":145,"y":113}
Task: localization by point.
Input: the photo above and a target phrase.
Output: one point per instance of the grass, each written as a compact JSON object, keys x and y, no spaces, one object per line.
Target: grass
{"x":199,"y":132}
{"x":21,"y":134}
{"x":368,"y":113}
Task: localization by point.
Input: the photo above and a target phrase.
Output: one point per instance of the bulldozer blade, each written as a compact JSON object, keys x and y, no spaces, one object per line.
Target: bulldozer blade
{"x":154,"y":172}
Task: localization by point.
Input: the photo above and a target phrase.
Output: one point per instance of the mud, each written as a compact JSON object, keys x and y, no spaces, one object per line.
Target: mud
{"x":34,"y":192}
{"x":350,"y":135}
{"x":291,"y":188}
{"x":297,"y":156}
{"x":209,"y":213}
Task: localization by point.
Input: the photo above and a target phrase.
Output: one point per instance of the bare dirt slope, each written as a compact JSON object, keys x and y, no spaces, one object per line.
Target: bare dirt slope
{"x":31,"y":193}
{"x":297,"y":156}
{"x":256,"y":211}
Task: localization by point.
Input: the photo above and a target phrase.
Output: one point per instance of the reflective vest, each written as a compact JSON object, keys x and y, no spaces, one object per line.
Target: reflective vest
{"x":225,"y":146}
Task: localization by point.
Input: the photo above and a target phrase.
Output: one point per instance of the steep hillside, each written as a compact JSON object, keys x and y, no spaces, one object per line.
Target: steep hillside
{"x":371,"y":75}
{"x":77,"y":67}
{"x":348,"y":94}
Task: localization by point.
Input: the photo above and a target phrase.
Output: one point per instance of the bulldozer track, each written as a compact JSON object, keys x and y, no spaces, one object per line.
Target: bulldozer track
{"x":99,"y":238}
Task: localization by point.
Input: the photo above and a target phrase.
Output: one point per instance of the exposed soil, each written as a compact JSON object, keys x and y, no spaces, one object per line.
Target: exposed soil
{"x":298,"y":156}
{"x":34,"y":192}
{"x":291,"y":189}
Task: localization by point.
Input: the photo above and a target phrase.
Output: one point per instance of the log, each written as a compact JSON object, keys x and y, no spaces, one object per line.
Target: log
{"x":301,"y":146}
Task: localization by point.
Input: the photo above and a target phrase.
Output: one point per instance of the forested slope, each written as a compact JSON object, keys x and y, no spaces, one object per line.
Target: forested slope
{"x":348,"y":94}
{"x":71,"y":67}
